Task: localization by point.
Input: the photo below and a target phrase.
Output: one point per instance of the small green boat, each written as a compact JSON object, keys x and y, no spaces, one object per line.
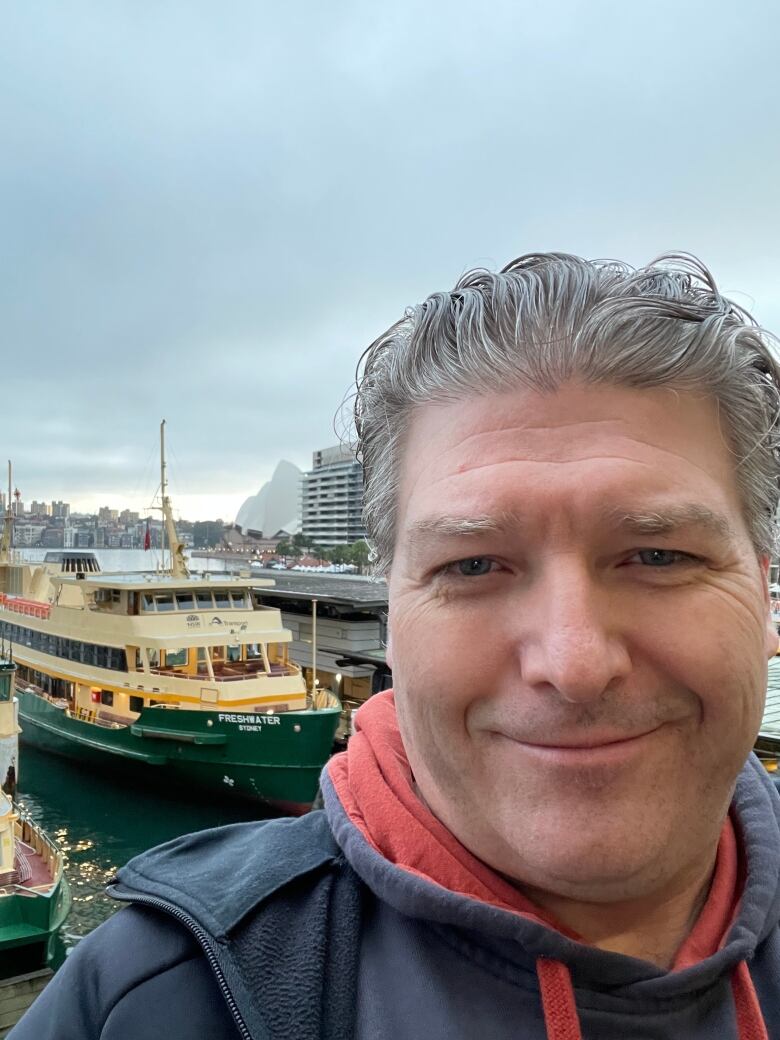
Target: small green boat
{"x":34,"y":893}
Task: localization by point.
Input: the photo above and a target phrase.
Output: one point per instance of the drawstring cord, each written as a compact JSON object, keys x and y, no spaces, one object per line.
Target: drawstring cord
{"x":562,"y":1022}
{"x":750,"y":1021}
{"x":560,"y":1012}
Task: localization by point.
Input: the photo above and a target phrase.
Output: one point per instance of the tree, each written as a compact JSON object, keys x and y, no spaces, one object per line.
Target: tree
{"x":298,"y":544}
{"x":206,"y":533}
{"x":284,"y":548}
{"x":338,"y":554}
{"x":358,"y":555}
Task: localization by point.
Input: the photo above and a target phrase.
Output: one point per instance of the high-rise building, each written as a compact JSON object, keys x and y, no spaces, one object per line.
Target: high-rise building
{"x":39,"y":509}
{"x":60,"y":509}
{"x":332,"y":498}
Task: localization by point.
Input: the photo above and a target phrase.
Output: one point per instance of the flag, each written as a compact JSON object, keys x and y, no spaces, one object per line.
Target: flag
{"x":148,"y":535}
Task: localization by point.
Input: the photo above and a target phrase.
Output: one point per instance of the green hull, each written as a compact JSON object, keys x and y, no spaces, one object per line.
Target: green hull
{"x":29,"y":923}
{"x":276,"y":759}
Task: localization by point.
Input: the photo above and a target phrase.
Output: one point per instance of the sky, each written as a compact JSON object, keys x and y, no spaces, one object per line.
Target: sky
{"x":208,"y":211}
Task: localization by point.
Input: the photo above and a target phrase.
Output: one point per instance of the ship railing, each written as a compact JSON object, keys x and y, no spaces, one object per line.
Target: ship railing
{"x":92,"y":716}
{"x":33,"y":836}
{"x":230,"y":673}
{"x":28,"y":607}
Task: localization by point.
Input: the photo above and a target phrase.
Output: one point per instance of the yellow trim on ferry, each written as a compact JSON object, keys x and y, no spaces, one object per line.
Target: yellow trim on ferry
{"x":157,"y":695}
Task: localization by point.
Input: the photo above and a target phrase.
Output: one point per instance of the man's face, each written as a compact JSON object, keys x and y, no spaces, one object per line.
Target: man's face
{"x":579,"y":632}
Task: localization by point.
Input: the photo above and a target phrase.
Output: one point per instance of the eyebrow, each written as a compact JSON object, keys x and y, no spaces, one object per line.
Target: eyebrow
{"x":663,"y":521}
{"x":451,"y":526}
{"x":430,"y":529}
{"x":670,"y":519}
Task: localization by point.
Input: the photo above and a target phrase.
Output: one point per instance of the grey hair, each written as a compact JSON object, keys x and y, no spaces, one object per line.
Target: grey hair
{"x":549,"y":318}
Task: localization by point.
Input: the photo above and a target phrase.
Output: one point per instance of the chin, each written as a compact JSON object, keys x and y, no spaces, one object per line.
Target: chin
{"x":601,"y":861}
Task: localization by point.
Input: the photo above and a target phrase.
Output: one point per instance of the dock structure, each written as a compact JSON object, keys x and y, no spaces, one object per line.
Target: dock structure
{"x":17,"y":994}
{"x":351,"y":629}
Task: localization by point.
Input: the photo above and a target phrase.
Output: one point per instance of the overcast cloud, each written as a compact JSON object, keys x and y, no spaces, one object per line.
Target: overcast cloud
{"x":209,"y":210}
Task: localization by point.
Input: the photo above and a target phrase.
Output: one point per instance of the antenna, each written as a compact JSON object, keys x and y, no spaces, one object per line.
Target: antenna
{"x":175,"y":547}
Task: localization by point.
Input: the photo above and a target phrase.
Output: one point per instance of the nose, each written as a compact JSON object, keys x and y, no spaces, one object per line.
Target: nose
{"x":574,"y":643}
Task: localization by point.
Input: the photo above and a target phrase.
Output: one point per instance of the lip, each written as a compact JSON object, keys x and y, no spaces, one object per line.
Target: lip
{"x":591,"y":750}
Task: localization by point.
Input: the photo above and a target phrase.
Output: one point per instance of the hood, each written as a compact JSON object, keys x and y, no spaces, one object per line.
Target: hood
{"x":509,"y":924}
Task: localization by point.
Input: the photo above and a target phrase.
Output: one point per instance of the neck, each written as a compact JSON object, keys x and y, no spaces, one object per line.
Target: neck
{"x":651,"y":927}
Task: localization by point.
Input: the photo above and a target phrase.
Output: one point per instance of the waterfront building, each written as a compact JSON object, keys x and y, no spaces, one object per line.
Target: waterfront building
{"x":351,"y":629}
{"x":27,"y":535}
{"x":53,"y":538}
{"x":332,"y":498}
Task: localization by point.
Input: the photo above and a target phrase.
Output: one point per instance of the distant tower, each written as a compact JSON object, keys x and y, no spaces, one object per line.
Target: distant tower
{"x":18,"y":507}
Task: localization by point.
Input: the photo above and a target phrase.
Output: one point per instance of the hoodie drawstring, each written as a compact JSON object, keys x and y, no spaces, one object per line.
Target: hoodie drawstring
{"x":750,"y":1021}
{"x":560,"y":1011}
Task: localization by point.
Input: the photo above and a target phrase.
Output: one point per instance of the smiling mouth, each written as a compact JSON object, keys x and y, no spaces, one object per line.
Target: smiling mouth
{"x":590,"y":744}
{"x":585,"y":744}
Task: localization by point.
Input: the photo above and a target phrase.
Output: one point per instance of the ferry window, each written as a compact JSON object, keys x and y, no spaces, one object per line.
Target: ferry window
{"x":205,"y":601}
{"x":201,"y":654}
{"x":136,"y":704}
{"x":154,"y":658}
{"x":174,"y":658}
{"x":148,"y":601}
{"x":117,"y":659}
{"x":116,"y":595}
{"x":222,"y":599}
{"x":234,"y":652}
{"x":164,"y":602}
{"x":239,"y":599}
{"x":107,"y":698}
{"x":184,"y":600}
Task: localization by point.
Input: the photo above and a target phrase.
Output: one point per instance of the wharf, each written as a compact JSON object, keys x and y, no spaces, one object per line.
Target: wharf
{"x":17,"y":994}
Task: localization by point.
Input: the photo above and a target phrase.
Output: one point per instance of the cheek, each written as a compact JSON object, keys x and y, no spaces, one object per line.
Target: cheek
{"x":718,"y":656}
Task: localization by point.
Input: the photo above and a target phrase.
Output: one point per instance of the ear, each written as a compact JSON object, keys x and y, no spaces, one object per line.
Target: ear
{"x":389,"y":653}
{"x":772,"y":642}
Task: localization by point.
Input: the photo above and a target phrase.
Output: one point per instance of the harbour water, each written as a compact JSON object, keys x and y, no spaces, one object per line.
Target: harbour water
{"x":100,"y":822}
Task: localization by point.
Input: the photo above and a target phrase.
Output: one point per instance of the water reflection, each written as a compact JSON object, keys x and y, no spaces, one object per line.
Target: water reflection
{"x":100,"y":821}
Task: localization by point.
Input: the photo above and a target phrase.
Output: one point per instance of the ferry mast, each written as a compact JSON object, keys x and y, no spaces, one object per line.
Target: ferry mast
{"x":8,"y":525}
{"x":176,"y":547}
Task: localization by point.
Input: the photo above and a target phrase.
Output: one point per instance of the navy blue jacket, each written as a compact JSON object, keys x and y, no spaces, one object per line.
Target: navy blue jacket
{"x":302,"y":930}
{"x":250,"y":930}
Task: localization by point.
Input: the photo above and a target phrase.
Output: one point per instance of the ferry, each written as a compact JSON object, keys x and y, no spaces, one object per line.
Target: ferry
{"x":34,"y":894}
{"x":183,"y":676}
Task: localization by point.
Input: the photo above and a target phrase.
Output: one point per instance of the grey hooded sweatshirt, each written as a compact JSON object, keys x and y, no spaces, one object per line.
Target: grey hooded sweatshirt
{"x":302,"y":930}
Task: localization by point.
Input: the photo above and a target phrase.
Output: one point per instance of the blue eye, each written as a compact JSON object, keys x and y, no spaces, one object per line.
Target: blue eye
{"x":661,"y":557}
{"x":474,"y":566}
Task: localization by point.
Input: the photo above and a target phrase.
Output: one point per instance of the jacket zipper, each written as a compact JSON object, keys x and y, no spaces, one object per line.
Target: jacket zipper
{"x":204,"y":941}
